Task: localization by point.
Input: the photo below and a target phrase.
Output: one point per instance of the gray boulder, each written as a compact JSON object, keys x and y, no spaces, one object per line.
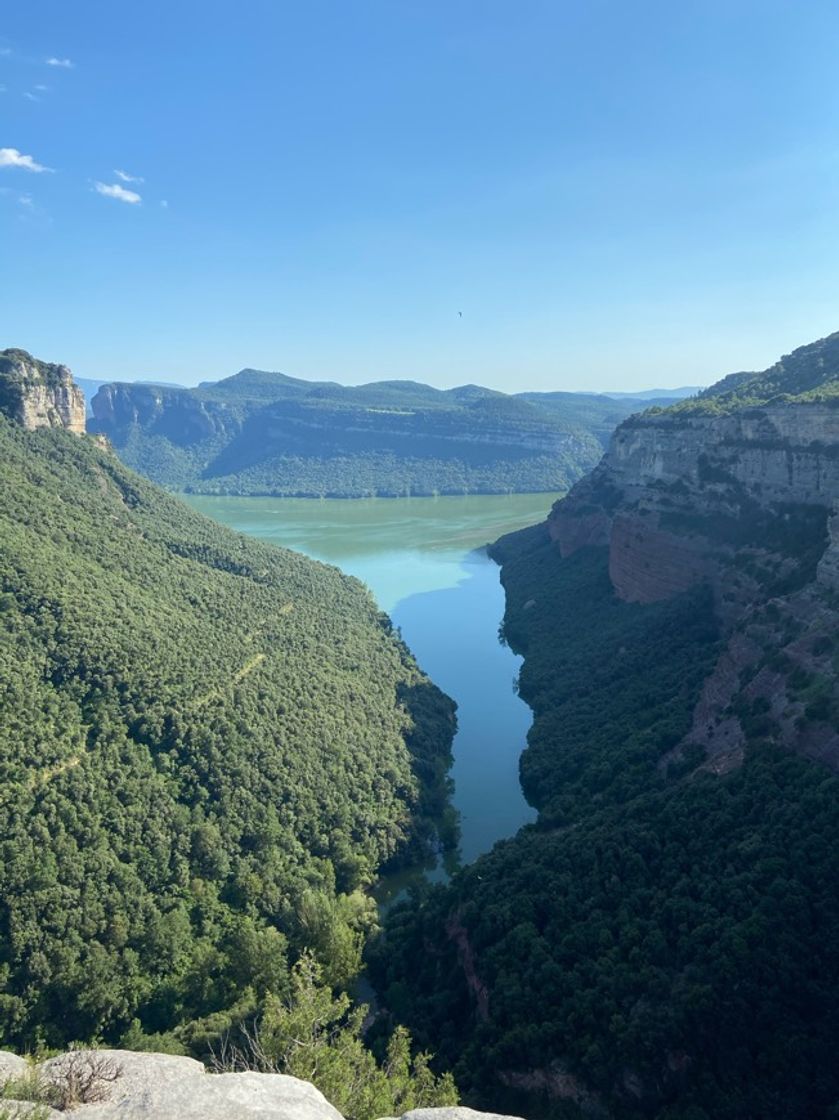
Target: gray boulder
{"x":11,"y":1066}
{"x":22,"y":1110}
{"x":124,"y":1085}
{"x":166,"y":1087}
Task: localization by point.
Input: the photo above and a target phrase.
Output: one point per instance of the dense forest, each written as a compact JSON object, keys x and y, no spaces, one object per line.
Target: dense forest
{"x":265,"y":433}
{"x":664,"y":941}
{"x":208,"y":747}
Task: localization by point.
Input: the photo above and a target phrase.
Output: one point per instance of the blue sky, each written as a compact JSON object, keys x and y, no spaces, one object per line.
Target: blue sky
{"x":615,"y":195}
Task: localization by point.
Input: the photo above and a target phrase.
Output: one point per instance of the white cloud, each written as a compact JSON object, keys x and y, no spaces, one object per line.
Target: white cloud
{"x":164,"y":204}
{"x":126,"y":178}
{"x":114,"y":190}
{"x":25,"y":200}
{"x":64,"y":63}
{"x":31,"y":96}
{"x":41,"y":88}
{"x":11,"y":157}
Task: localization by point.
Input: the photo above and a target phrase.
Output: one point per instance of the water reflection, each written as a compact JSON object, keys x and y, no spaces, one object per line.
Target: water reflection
{"x":454,"y":635}
{"x":419,"y":559}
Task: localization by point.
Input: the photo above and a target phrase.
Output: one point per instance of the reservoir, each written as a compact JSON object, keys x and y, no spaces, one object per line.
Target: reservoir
{"x":425,"y":562}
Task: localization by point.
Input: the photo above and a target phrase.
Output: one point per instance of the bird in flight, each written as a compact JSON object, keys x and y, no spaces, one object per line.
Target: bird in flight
{"x":460,"y":313}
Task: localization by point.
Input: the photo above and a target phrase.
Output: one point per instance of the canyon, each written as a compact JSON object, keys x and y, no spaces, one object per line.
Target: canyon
{"x":667,"y":924}
{"x":660,"y":940}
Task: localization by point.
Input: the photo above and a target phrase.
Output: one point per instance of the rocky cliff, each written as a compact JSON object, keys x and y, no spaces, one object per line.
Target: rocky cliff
{"x":124,"y":1085}
{"x":265,"y":433}
{"x":175,"y":414}
{"x":671,"y":919}
{"x":39,"y":394}
{"x":671,"y":487}
{"x":740,"y":493}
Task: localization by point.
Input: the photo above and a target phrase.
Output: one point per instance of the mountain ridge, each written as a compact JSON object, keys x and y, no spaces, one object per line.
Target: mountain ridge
{"x":258,"y":432}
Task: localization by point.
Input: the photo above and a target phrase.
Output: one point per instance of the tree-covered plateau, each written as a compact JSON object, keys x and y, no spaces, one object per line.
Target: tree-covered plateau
{"x":263,"y":433}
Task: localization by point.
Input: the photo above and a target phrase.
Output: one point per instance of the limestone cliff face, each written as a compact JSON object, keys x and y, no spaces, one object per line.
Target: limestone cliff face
{"x":176,"y":414}
{"x":39,"y":394}
{"x":747,"y":502}
{"x":676,"y":497}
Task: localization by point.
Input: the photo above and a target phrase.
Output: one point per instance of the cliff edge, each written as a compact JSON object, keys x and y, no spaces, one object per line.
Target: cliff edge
{"x":126,"y":1085}
{"x":39,"y":394}
{"x":737,"y":488}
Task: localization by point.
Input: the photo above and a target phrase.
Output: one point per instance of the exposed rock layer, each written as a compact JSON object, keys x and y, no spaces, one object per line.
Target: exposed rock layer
{"x":39,"y":394}
{"x":264,"y":433}
{"x":746,"y":502}
{"x":662,"y":472}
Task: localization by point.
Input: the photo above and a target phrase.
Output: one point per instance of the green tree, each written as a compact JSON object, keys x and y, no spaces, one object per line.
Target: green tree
{"x":317,"y":1036}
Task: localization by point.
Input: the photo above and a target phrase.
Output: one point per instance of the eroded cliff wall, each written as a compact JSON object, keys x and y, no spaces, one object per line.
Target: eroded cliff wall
{"x":675,"y":497}
{"x":749,"y":503}
{"x":38,"y":394}
{"x":176,"y":414}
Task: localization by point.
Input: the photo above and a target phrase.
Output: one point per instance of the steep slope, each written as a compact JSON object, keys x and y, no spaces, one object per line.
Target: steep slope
{"x":265,"y":433}
{"x":665,"y":941}
{"x":206,"y":746}
{"x":809,"y":373}
{"x":741,"y":497}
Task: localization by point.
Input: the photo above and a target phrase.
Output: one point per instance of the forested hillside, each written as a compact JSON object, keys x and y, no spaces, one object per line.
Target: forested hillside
{"x":207,"y":746}
{"x":809,"y":373}
{"x":664,"y":941}
{"x":265,"y":433}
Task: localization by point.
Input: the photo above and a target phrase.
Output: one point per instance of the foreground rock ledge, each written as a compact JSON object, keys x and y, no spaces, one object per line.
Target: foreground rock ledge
{"x":166,"y":1087}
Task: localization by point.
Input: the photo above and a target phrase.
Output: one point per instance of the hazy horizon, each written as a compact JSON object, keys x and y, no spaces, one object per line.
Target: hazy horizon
{"x":163,"y":380}
{"x":543,"y":196}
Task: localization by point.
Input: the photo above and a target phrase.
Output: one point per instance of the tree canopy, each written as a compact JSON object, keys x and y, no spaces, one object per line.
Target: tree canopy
{"x":207,"y":747}
{"x":664,"y":941}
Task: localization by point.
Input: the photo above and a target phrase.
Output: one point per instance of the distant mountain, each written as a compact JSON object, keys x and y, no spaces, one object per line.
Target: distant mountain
{"x":261,"y":432}
{"x":90,"y":388}
{"x":658,"y":394}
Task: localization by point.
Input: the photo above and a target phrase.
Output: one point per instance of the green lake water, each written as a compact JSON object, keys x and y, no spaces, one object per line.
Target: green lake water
{"x":424,"y":561}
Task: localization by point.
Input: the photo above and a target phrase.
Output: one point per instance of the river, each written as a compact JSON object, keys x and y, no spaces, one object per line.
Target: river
{"x":425,"y":562}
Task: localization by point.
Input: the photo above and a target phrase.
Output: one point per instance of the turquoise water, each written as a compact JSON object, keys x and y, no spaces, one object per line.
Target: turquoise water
{"x":424,"y":560}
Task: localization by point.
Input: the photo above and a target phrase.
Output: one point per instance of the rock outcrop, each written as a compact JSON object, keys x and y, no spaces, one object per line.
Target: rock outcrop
{"x":11,"y":1066}
{"x":124,"y":1085}
{"x":744,"y":499}
{"x":177,"y":415}
{"x":675,"y":497}
{"x":39,"y":394}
